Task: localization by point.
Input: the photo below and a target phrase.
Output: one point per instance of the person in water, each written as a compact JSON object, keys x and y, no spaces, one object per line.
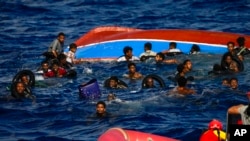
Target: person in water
{"x":172,"y":48}
{"x":21,"y":91}
{"x":214,"y":132}
{"x":101,"y":109}
{"x":233,"y":83}
{"x":56,"y":47}
{"x":128,"y":55}
{"x":195,"y":49}
{"x":58,"y":71}
{"x":160,"y":58}
{"x":147,"y":51}
{"x":114,"y":83}
{"x":182,"y":89}
{"x":111,"y":97}
{"x":71,"y":58}
{"x":228,"y":64}
{"x":133,"y":74}
{"x":226,"y":82}
{"x":25,"y":79}
{"x":241,"y":49}
{"x":62,"y":60}
{"x":45,"y":70}
{"x":243,"y":110}
{"x":150,"y":83}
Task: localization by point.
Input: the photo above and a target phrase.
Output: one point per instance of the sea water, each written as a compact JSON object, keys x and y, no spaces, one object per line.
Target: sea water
{"x":28,"y":27}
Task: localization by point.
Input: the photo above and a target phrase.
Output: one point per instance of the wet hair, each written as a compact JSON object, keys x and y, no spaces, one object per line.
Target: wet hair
{"x":182,"y":81}
{"x":61,"y":56}
{"x":161,"y":55}
{"x":230,"y":42}
{"x":72,"y":45}
{"x":148,"y":45}
{"x":131,"y":64}
{"x":113,"y":78}
{"x":180,"y":68}
{"x":185,"y":61}
{"x":173,"y":44}
{"x":60,"y":34}
{"x":126,"y":49}
{"x":234,"y":78}
{"x":195,"y":48}
{"x":102,"y":103}
{"x":44,"y":62}
{"x":241,"y":41}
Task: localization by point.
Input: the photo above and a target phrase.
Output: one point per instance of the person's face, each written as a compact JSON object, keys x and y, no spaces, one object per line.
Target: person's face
{"x":132,"y":69}
{"x":45,"y":67}
{"x":100,"y":109}
{"x":228,"y":59}
{"x":150,"y":82}
{"x":73,"y":50}
{"x":188,"y":65}
{"x":61,"y":39}
{"x":112,"y":83}
{"x":234,"y":84}
{"x":55,"y":67}
{"x":63,"y":61}
{"x":230,"y":47}
{"x":20,"y":88}
{"x":25,"y":79}
{"x":158,"y":58}
{"x":129,"y":53}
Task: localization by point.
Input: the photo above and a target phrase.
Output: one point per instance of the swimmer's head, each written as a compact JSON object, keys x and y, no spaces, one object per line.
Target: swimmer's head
{"x":111,"y":97}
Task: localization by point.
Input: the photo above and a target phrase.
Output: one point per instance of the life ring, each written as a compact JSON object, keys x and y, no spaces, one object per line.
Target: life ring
{"x":14,"y":91}
{"x":21,"y":73}
{"x":156,"y":78}
{"x":120,"y":82}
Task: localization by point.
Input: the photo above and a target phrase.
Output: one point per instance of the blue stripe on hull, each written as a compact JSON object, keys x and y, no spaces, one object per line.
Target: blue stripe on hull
{"x":114,"y":49}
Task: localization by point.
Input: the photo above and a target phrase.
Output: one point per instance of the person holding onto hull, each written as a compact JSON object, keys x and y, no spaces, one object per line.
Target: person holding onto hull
{"x":147,"y":52}
{"x":56,"y":47}
{"x":128,"y":55}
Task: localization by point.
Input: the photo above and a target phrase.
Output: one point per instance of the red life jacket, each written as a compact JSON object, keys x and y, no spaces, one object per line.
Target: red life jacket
{"x":209,"y":136}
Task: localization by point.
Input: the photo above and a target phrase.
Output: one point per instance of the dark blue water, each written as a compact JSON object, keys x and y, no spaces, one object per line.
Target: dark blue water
{"x":28,"y":27}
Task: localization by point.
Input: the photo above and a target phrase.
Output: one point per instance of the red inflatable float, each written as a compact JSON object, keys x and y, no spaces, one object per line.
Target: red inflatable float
{"x":119,"y":134}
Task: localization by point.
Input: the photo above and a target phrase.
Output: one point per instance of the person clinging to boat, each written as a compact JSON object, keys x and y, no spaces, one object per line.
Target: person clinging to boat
{"x":241,"y":49}
{"x":172,"y":49}
{"x":148,"y":53}
{"x":195,"y":49}
{"x":160,"y":58}
{"x":214,"y":132}
{"x":128,"y":55}
{"x":71,"y":58}
{"x":56,"y":47}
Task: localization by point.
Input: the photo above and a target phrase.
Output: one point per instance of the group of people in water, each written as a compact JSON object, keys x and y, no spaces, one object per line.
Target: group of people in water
{"x":59,"y":64}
